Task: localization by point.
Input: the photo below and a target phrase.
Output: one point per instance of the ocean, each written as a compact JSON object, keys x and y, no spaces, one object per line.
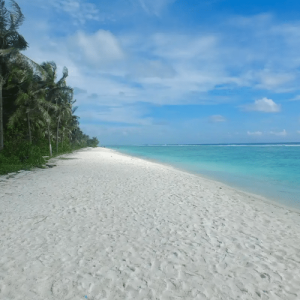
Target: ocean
{"x":269,"y":170}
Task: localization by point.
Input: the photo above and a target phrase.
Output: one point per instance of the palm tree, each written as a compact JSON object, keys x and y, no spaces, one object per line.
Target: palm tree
{"x":64,"y":110}
{"x":10,"y":43}
{"x":70,"y":123}
{"x":31,"y":104}
{"x":54,"y":93}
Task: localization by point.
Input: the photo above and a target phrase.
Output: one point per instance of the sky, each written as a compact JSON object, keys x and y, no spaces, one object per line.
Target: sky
{"x":174,"y":71}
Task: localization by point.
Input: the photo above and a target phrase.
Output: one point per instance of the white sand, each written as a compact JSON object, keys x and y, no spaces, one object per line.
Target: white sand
{"x":109,"y":226}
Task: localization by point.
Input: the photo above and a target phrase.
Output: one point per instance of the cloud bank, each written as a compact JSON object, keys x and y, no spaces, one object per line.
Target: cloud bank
{"x":263,"y":105}
{"x":145,"y":72}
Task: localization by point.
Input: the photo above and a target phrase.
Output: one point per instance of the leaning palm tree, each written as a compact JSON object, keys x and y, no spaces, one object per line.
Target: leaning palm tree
{"x":63,"y":98}
{"x":54,"y":92}
{"x":10,"y":43}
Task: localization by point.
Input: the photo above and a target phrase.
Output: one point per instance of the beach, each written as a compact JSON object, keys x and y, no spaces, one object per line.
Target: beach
{"x":104,"y":225}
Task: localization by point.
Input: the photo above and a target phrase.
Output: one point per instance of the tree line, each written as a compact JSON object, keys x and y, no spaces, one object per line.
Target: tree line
{"x":36,"y":107}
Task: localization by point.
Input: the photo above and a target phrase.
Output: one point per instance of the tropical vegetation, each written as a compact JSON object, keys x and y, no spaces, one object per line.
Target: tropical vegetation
{"x":36,"y":109}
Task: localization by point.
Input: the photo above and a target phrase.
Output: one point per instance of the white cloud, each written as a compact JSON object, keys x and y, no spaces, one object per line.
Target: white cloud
{"x":279,"y":133}
{"x":273,"y":81}
{"x":168,"y":68}
{"x":263,"y":105}
{"x":80,"y":10}
{"x":126,"y":66}
{"x":217,"y":118}
{"x":99,"y":48}
{"x":298,"y":131}
{"x":255,"y":133}
{"x":120,"y":114}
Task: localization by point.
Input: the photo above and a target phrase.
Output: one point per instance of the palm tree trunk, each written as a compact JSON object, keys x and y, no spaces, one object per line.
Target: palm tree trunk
{"x":57,"y":135}
{"x":1,"y":114}
{"x":50,"y":147}
{"x":29,"y":129}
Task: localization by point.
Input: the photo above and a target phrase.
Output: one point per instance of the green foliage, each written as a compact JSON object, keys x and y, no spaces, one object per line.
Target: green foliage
{"x":94,"y":142}
{"x":37,"y":108}
{"x":19,"y":153}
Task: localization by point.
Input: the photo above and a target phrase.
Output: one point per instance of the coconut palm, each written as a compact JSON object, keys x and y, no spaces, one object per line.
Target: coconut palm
{"x":69,"y":124}
{"x":54,"y":93}
{"x":30,"y":102}
{"x":64,"y":110}
{"x":10,"y":43}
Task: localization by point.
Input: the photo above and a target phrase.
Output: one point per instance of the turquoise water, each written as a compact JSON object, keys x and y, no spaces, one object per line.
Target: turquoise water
{"x":270,"y":170}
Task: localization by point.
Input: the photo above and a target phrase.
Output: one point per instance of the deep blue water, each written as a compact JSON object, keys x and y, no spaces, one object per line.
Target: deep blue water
{"x":270,"y":170}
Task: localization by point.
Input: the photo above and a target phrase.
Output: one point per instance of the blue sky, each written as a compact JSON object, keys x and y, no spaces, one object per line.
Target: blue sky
{"x":174,"y":71}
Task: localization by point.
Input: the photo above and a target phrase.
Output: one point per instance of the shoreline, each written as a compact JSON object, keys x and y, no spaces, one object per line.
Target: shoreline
{"x":105,"y":225}
{"x":203,"y":176}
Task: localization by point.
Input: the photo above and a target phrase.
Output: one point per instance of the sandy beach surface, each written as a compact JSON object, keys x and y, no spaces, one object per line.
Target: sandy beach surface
{"x":102,"y":225}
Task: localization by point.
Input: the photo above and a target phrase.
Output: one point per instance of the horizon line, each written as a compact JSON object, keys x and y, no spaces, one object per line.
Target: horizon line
{"x":204,"y":144}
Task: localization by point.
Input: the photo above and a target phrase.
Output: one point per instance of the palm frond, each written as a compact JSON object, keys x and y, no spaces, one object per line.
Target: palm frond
{"x":4,"y":14}
{"x":17,"y":18}
{"x":74,"y":109}
{"x":18,"y":115}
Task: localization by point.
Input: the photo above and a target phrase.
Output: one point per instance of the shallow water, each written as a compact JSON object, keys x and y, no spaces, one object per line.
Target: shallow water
{"x":270,"y":170}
